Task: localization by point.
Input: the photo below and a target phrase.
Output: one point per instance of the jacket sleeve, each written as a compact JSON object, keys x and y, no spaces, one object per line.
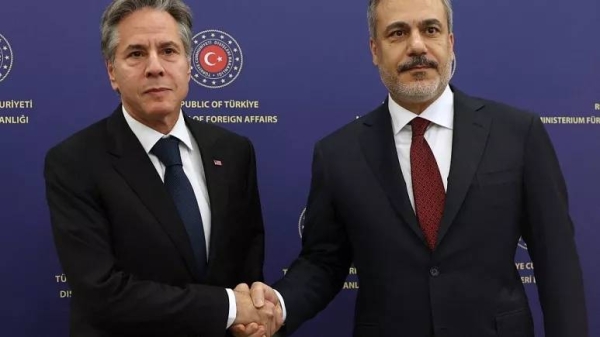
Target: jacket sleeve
{"x":549,"y":234}
{"x":318,"y":274}
{"x":256,"y":252}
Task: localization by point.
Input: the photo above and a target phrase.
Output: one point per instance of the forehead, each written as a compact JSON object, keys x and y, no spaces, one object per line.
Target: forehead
{"x":147,"y":25}
{"x":409,"y":11}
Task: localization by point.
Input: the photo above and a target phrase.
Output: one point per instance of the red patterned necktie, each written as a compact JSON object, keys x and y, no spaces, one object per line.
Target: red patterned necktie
{"x":428,"y":188}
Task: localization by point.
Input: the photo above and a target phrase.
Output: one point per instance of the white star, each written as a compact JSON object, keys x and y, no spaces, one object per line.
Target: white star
{"x":237,"y":58}
{"x":204,"y":80}
{"x":4,"y":48}
{"x":219,"y":59}
{"x":5,"y":67}
{"x":196,"y":75}
{"x":6,"y":57}
{"x":235,"y":68}
{"x":222,"y":81}
{"x":222,"y":37}
{"x":229,"y":42}
{"x":235,"y":50}
{"x":212,"y":35}
{"x":203,"y":37}
{"x":195,"y":41}
{"x":213,"y":82}
{"x":230,"y":76}
{"x":0,"y":75}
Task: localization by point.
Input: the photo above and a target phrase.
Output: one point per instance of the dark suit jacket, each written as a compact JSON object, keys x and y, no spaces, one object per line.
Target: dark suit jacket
{"x":505,"y":182}
{"x":125,"y":250}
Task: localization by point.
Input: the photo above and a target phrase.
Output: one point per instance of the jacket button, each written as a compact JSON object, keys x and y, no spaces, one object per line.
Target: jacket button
{"x":434,"y":271}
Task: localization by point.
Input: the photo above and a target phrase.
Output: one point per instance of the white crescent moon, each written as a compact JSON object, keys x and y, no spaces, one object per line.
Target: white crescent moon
{"x":206,"y":59}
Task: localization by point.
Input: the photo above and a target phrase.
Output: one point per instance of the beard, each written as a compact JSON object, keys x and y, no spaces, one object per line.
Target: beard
{"x":421,"y":89}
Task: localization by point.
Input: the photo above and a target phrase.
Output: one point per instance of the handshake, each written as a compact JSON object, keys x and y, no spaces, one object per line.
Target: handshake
{"x":259,"y":312}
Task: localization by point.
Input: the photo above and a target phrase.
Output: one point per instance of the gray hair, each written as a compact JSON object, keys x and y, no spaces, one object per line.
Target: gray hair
{"x":120,"y":9}
{"x":372,"y":18}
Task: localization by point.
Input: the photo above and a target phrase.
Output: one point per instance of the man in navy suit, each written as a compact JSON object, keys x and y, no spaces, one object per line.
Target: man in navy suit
{"x":156,"y":217}
{"x":428,"y":195}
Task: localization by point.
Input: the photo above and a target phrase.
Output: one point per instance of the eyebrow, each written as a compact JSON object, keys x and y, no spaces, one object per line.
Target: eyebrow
{"x":135,"y":47}
{"x":406,"y":26}
{"x":430,"y":22}
{"x":170,"y":44}
{"x":161,"y":45}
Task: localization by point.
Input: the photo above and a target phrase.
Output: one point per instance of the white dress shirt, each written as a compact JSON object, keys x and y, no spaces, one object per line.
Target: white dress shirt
{"x":438,"y":135}
{"x":193,"y":168}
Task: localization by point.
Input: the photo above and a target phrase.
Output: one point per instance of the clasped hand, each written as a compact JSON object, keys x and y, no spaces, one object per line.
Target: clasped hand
{"x":259,"y":312}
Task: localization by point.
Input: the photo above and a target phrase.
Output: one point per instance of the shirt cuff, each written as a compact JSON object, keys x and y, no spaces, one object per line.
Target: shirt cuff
{"x":282,"y":304}
{"x":232,"y":308}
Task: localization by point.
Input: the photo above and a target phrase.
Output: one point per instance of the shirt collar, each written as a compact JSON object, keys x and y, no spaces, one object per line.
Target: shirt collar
{"x":148,"y":136}
{"x":440,"y":112}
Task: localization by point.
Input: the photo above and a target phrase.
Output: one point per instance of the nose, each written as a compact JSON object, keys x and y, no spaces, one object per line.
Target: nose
{"x":154,"y":67}
{"x":417,"y":45}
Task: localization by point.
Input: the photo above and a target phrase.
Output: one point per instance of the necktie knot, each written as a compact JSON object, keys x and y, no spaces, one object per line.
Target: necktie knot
{"x":419,"y":125}
{"x":167,"y":151}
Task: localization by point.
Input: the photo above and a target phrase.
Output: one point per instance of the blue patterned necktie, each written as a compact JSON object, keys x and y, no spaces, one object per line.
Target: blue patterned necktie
{"x":178,"y":185}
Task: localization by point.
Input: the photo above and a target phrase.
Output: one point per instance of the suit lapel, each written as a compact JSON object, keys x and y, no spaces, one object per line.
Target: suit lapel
{"x":379,"y":149}
{"x":134,"y":165}
{"x":216,"y":183}
{"x":469,"y":138}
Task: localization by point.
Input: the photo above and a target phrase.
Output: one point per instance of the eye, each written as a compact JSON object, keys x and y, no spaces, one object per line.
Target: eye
{"x":135,"y":54}
{"x":397,"y":33}
{"x":170,"y":51}
{"x":432,"y":30}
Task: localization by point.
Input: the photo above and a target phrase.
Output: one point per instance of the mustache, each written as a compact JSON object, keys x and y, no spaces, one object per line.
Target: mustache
{"x":418,"y":61}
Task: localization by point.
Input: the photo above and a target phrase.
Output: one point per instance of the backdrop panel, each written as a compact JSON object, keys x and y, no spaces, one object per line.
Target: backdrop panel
{"x":299,"y":70}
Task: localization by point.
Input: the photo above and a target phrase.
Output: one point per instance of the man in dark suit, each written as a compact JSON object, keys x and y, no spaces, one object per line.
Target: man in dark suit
{"x":156,"y":217}
{"x":428,"y":195}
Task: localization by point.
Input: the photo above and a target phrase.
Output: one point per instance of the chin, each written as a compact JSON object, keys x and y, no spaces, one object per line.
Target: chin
{"x":162,"y":110}
{"x":417,"y":93}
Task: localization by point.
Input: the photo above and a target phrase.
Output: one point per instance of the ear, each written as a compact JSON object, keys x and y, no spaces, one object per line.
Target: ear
{"x":374,"y":51}
{"x":110,"y":68}
{"x":451,"y":42}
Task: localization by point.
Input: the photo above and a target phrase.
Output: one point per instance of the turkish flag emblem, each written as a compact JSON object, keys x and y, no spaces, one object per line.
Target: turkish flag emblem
{"x":213,"y":59}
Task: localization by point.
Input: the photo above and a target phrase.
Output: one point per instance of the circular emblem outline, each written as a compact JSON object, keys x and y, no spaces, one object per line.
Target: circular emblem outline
{"x":235,"y":59}
{"x":6,"y":58}
{"x":301,"y":222}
